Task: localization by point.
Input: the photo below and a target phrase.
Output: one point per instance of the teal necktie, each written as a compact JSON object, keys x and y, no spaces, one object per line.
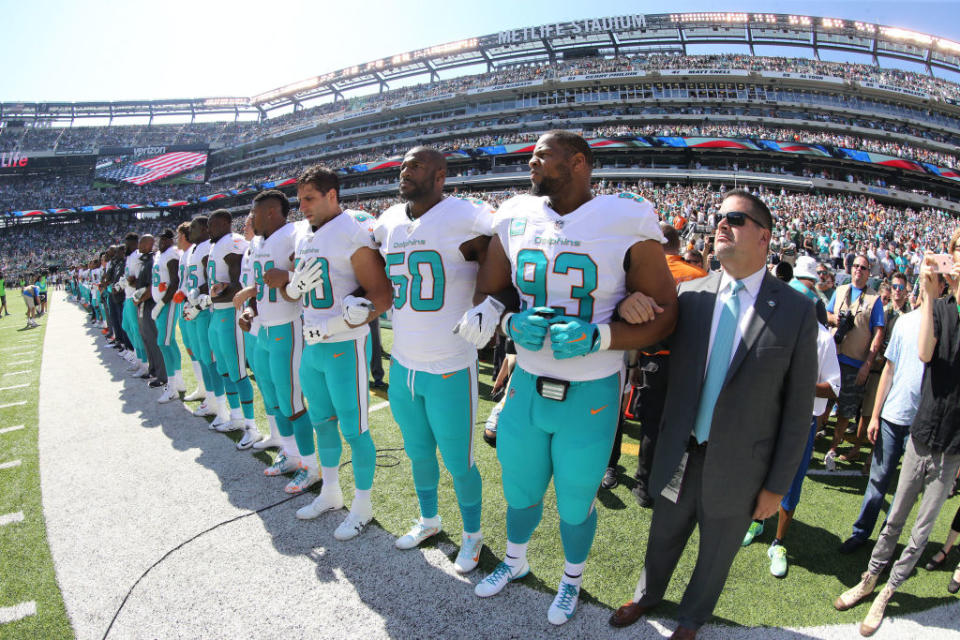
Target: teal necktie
{"x":719,"y":363}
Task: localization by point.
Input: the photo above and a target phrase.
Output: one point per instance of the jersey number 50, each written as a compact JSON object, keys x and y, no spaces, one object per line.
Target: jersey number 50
{"x":532,"y":274}
{"x":413,"y":280}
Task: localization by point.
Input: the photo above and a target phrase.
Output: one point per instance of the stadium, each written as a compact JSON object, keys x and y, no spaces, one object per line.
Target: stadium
{"x":849,"y":131}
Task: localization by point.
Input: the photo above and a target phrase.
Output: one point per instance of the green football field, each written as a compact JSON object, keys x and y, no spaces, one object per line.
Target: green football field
{"x":752,"y":596}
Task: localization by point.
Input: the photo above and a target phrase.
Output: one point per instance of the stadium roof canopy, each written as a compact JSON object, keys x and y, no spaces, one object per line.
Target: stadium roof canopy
{"x":550,"y":42}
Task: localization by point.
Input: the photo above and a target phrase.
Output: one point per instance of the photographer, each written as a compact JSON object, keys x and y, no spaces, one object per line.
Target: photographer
{"x":856,"y":312}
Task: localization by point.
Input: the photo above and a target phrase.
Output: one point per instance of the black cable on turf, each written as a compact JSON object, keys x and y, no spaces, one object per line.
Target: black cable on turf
{"x":394,"y":459}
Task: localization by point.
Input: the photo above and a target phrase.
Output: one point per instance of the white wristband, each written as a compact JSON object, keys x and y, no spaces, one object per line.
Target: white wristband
{"x":604,"y":331}
{"x":505,"y":323}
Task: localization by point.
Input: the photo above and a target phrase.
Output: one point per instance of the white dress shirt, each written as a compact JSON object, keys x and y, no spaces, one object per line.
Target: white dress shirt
{"x":747,"y":298}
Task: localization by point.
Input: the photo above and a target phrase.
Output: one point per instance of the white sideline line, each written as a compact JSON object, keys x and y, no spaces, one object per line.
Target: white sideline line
{"x":15,"y":373}
{"x":379,"y":406}
{"x":10,"y":465}
{"x":9,"y":429}
{"x":13,"y":404}
{"x":17,"y":612}
{"x":16,"y":386}
{"x":841,"y":474}
{"x":10,"y":518}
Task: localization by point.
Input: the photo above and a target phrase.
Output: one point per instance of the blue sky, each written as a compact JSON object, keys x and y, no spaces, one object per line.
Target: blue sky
{"x":134,"y":49}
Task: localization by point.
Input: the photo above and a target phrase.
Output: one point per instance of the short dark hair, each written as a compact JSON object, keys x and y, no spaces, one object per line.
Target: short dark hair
{"x":672,"y":235}
{"x":896,"y":275}
{"x":131,"y":236}
{"x":321,"y":178}
{"x":222,"y":214}
{"x":759,"y":207}
{"x":274,"y":194}
{"x":201,"y":221}
{"x":573,"y":143}
{"x":167,"y":233}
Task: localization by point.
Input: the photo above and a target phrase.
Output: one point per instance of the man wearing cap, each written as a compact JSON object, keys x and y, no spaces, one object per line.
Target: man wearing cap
{"x":726,"y":454}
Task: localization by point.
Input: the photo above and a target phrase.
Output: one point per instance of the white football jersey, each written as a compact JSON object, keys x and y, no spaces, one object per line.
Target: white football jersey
{"x":161,"y":272}
{"x":275,"y":252}
{"x":334,"y":244}
{"x":196,"y":274}
{"x":247,"y":279}
{"x":131,"y":269}
{"x":575,"y":264}
{"x":217,"y":269}
{"x":433,"y":284}
{"x":184,"y":268}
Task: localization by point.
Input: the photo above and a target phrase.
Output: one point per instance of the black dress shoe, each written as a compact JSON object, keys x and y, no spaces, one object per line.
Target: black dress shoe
{"x":851,"y":544}
{"x":609,"y":479}
{"x":156,"y":384}
{"x":628,"y":614}
{"x":643,"y":498}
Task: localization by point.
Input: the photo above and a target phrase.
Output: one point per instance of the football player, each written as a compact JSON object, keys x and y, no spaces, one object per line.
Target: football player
{"x":571,"y":257}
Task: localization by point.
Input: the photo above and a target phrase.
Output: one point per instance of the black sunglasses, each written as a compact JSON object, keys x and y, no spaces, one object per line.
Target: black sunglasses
{"x":734,"y":219}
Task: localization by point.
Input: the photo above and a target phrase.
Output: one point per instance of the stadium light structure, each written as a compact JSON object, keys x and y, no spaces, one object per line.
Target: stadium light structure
{"x":548,"y":42}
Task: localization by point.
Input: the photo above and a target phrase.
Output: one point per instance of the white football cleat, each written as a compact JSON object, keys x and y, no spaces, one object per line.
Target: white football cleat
{"x":329,"y":500}
{"x":230,"y":425}
{"x":168,"y":395}
{"x":282,"y":464}
{"x":417,"y":534}
{"x":496,"y":581}
{"x":197,"y":394}
{"x":469,"y":555}
{"x":251,"y":436}
{"x":205,"y":410}
{"x":565,"y":604}
{"x":267,"y":443}
{"x":302,"y":480}
{"x":352,"y":526}
{"x":222,"y":418}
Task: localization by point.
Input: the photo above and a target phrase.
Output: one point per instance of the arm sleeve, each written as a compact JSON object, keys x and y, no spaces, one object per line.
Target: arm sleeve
{"x":877,"y":317}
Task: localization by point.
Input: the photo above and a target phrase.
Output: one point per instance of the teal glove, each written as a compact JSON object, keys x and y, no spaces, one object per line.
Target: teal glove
{"x":571,"y":337}
{"x":528,"y":329}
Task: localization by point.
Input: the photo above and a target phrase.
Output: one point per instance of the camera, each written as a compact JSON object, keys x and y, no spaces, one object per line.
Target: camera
{"x":844,"y":324}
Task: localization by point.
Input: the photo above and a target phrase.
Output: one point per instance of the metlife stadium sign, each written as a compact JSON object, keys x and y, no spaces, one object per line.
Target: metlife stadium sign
{"x":572,"y":28}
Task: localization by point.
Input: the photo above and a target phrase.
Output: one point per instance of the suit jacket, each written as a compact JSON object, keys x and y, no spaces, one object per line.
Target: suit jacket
{"x":761,"y":422}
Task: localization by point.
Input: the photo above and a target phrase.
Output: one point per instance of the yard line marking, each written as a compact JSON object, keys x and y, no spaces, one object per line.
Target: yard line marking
{"x":10,"y":465}
{"x":15,"y":373}
{"x":13,"y":404}
{"x":21,"y":362}
{"x":841,"y":474}
{"x":18,"y":612}
{"x":379,"y":406}
{"x":14,"y":349}
{"x":9,"y":429}
{"x":11,"y":518}
{"x":16,"y":386}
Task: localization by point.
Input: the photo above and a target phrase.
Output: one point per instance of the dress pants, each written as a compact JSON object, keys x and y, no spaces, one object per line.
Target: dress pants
{"x":720,"y":539}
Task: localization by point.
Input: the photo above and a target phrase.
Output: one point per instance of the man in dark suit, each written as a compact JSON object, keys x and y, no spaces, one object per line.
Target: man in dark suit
{"x":743,"y":369}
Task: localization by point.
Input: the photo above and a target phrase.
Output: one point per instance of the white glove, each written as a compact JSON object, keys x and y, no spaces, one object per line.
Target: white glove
{"x":305,"y":278}
{"x":356,"y":310}
{"x":192,"y":296}
{"x":117,"y":287}
{"x":190,"y":312}
{"x":157,"y":308}
{"x":478,"y":325}
{"x":203,"y":301}
{"x":138,"y":294}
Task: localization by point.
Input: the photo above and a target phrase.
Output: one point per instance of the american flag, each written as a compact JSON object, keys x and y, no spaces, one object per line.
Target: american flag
{"x":157,"y":168}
